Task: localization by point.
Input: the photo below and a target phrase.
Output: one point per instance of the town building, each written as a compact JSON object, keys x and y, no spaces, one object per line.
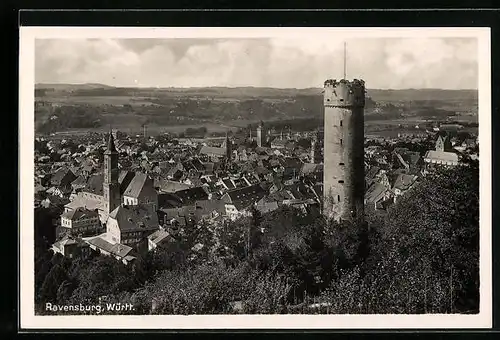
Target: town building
{"x":80,"y":221}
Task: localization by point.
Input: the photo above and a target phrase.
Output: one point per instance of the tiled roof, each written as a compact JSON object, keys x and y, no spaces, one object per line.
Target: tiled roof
{"x":370,"y":174}
{"x":80,"y":180}
{"x":265,"y":207}
{"x":172,"y":186}
{"x":135,"y":217}
{"x":204,"y":207}
{"x":124,"y":180}
{"x":80,"y":213}
{"x":94,"y":184}
{"x":89,"y":203}
{"x":244,"y":197}
{"x":412,"y":157}
{"x":137,"y":184}
{"x":210,"y":150}
{"x":192,"y":194}
{"x":60,"y":174}
{"x":441,"y":156}
{"x":158,"y":236}
{"x":375,"y":192}
{"x":308,"y":168}
{"x":291,"y":162}
{"x":403,"y":182}
{"x":116,"y":249}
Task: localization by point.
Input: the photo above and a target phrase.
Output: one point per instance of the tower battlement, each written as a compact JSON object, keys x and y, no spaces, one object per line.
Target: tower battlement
{"x":344,"y":93}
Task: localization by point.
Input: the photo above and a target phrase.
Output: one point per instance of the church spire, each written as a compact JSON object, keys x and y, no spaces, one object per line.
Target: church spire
{"x":111,"y":142}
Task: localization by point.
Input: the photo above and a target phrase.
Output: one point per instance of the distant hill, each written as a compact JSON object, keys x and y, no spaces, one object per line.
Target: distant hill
{"x":255,"y":92}
{"x":71,"y":87}
{"x":423,"y":95}
{"x":64,"y":106}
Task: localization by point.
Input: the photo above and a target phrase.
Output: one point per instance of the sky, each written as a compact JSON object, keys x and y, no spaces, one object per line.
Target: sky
{"x":384,"y":63}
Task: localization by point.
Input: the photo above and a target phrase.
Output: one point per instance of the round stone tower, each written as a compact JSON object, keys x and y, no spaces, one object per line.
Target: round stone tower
{"x":343,"y":181}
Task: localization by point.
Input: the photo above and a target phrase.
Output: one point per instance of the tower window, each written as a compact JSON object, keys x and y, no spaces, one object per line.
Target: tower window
{"x":341,"y":99}
{"x":338,"y":198}
{"x":341,"y":181}
{"x":340,"y":123}
{"x":341,"y":141}
{"x":341,"y":163}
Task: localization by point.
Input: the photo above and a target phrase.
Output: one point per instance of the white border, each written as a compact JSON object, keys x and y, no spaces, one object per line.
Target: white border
{"x":28,"y":320}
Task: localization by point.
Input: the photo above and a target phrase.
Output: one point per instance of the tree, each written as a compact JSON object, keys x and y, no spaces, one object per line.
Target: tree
{"x":213,"y":289}
{"x":55,"y":277}
{"x":102,"y":276}
{"x":426,"y":258}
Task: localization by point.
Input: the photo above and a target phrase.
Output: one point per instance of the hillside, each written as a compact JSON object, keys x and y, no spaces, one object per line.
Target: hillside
{"x":262,"y":92}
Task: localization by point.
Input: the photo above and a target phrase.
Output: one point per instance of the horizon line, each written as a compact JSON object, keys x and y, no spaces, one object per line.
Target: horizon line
{"x":247,"y":86}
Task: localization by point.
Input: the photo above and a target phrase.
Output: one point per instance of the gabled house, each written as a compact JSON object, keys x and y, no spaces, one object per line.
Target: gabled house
{"x":120,"y":252}
{"x":378,"y":196}
{"x":129,"y":225}
{"x":81,"y":221}
{"x":158,"y":239}
{"x":178,"y":218}
{"x":237,"y":201}
{"x":62,"y":179}
{"x":401,"y":183}
{"x":190,"y":195}
{"x":70,"y":247}
{"x":209,"y":210}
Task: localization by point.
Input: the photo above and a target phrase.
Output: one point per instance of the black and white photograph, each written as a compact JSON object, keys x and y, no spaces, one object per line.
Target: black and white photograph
{"x":255,"y":177}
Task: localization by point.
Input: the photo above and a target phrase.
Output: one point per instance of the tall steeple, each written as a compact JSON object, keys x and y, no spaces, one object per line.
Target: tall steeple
{"x":315,"y":152}
{"x":229,"y":148}
{"x":260,"y":134}
{"x":110,"y":147}
{"x":111,"y":187}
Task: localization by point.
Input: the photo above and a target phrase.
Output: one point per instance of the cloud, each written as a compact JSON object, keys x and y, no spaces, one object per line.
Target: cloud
{"x":382,"y":63}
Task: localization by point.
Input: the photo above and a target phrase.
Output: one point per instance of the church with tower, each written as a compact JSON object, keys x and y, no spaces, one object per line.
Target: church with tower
{"x":126,"y":204}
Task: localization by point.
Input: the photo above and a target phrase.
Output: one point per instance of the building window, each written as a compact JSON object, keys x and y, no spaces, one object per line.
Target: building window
{"x":341,"y":163}
{"x":341,"y":181}
{"x":341,"y":141}
{"x":338,"y":198}
{"x":340,"y":123}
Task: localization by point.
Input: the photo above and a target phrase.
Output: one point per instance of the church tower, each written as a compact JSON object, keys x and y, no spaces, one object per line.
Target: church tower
{"x":111,"y":187}
{"x":315,"y":148}
{"x":260,"y":134}
{"x":229,"y":148}
{"x":343,"y":182}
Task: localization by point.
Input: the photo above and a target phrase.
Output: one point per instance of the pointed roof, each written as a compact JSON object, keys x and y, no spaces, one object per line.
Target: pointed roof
{"x":110,"y":147}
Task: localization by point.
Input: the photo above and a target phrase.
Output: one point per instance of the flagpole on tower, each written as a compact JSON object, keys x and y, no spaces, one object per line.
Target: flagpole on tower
{"x":345,"y":58}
